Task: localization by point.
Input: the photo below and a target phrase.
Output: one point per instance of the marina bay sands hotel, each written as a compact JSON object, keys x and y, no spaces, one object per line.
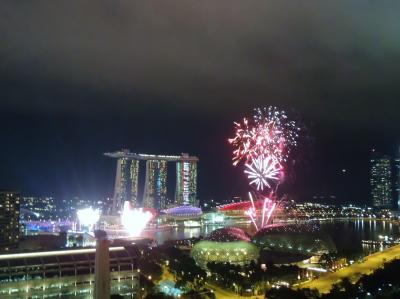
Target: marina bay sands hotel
{"x":155,"y":188}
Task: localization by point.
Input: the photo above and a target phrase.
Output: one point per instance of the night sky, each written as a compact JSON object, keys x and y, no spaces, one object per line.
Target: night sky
{"x":81,"y":78}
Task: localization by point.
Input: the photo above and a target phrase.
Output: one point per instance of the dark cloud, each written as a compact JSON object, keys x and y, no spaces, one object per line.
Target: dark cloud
{"x":337,"y":59}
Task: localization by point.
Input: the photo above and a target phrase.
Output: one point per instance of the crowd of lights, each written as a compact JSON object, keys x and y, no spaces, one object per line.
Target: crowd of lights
{"x":264,"y":144}
{"x":134,"y":220}
{"x":291,"y":229}
{"x":88,"y":216}
{"x":228,"y":234}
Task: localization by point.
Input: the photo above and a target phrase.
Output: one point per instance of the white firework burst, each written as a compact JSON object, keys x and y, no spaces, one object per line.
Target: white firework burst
{"x":262,"y":170}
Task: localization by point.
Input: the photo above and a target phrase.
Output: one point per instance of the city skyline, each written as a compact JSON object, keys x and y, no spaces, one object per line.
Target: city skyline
{"x":199,"y":149}
{"x":344,"y":171}
{"x":61,"y":110}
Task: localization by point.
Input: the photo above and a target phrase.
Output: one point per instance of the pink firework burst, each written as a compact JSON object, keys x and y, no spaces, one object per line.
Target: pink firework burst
{"x":264,"y":144}
{"x":242,"y":142}
{"x":269,"y":134}
{"x":261,"y":218}
{"x":262,"y":171}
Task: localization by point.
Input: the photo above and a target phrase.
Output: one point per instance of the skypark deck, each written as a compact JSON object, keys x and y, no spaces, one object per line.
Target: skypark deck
{"x":169,"y":158}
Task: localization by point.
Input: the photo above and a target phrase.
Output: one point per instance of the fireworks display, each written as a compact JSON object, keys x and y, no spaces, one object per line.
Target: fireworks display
{"x":268,"y":134}
{"x":262,"y":218}
{"x":134,"y":220}
{"x":264,"y":144}
{"x":262,"y":170}
{"x":277,"y":134}
{"x":88,"y":217}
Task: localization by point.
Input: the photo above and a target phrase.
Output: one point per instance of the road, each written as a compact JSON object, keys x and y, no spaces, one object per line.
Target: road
{"x":372,"y":262}
{"x":224,"y":294}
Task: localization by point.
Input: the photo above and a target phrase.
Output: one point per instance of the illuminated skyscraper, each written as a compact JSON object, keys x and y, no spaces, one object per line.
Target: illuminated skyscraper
{"x":120,"y":194}
{"x":155,"y":189}
{"x":186,"y":183}
{"x":397,"y":177}
{"x":162,"y":200}
{"x":120,"y":184}
{"x":381,"y":181}
{"x":126,"y":183}
{"x":134,"y":178}
{"x":193,"y":184}
{"x":9,"y":220}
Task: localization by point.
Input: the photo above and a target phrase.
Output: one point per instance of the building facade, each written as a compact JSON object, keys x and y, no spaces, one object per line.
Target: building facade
{"x":381,"y":181}
{"x":9,"y":220}
{"x":186,"y":183}
{"x":126,"y":183}
{"x":66,"y":273}
{"x":155,"y":193}
{"x":134,"y":183}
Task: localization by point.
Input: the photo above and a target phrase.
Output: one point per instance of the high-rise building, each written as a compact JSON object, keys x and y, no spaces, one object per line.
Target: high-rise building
{"x":381,"y":181}
{"x":397,"y":177}
{"x":155,"y":189}
{"x":186,"y":183}
{"x":69,"y":273}
{"x":193,"y":184}
{"x":134,"y":179}
{"x":126,"y":183}
{"x":121,"y":182}
{"x":9,"y":219}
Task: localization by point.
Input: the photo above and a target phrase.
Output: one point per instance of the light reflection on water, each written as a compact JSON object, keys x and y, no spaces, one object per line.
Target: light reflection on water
{"x":346,"y":234}
{"x":179,"y":233}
